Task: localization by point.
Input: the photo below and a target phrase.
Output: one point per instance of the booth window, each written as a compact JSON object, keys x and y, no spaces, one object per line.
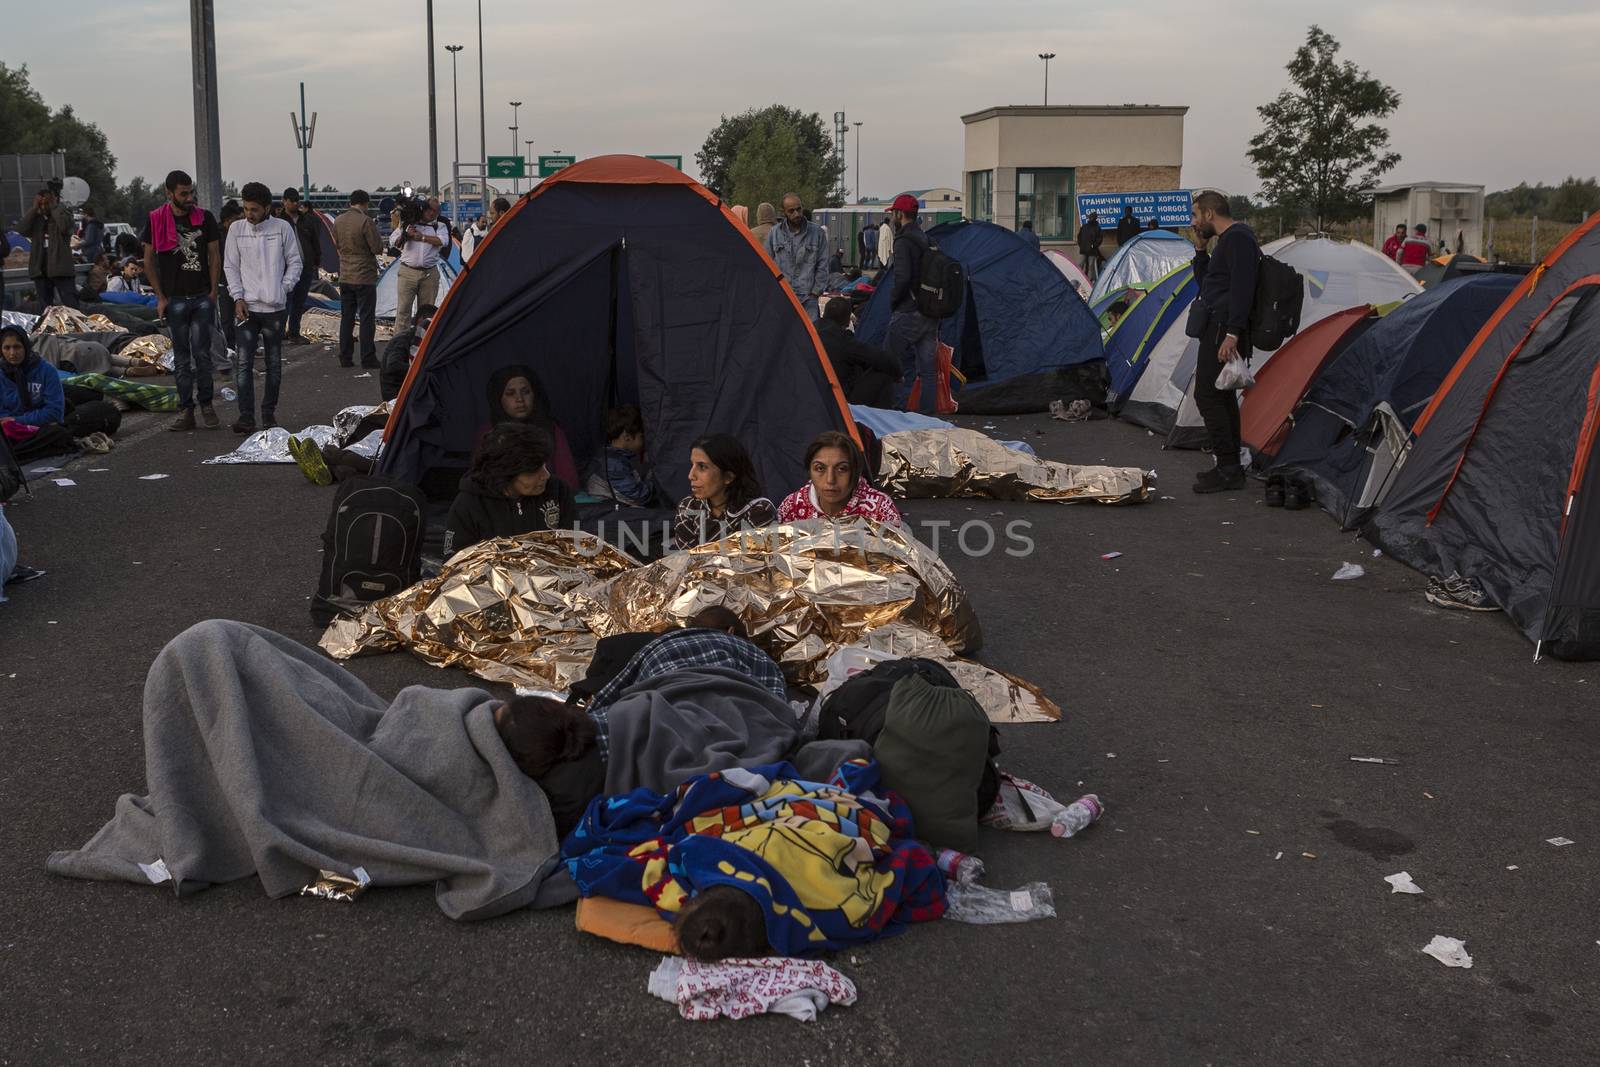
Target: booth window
{"x":1045,"y":198}
{"x":980,"y":195}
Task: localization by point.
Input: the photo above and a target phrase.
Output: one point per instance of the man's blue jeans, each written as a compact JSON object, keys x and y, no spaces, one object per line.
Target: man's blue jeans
{"x":268,"y":326}
{"x":913,"y":340}
{"x":190,"y":320}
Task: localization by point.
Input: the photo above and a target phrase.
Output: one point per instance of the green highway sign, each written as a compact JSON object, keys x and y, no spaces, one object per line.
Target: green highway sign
{"x":507,"y":166}
{"x":548,"y":165}
{"x":675,"y":162}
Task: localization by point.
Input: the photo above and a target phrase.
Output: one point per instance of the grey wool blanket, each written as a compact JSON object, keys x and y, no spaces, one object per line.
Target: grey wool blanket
{"x":670,"y":728}
{"x":263,"y":757}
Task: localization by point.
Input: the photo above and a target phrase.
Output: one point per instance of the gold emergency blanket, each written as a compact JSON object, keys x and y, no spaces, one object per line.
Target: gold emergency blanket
{"x":500,"y":609}
{"x":148,"y":349}
{"x":70,"y":320}
{"x":920,"y":464}
{"x":802,"y":589}
{"x":1005,"y":698}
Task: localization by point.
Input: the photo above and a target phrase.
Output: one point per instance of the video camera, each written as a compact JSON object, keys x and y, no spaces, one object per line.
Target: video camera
{"x":410,"y":206}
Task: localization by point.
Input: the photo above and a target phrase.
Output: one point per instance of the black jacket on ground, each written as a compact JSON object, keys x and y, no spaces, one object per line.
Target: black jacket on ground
{"x":851,"y":358}
{"x":909,"y":245}
{"x":480,"y":513}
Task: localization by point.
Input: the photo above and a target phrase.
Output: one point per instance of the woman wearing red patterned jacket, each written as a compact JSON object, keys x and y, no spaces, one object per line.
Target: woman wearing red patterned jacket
{"x":837,"y":488}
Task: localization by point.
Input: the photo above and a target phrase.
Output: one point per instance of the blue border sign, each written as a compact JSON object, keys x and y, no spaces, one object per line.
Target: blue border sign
{"x":1171,"y":207}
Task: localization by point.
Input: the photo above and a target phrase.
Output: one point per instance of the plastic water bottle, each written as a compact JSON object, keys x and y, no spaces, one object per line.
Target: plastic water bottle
{"x":1075,"y":816}
{"x":228,"y":394}
{"x":959,"y":867}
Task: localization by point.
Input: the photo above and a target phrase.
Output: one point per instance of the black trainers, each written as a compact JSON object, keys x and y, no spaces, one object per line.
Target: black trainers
{"x":1295,"y":496}
{"x":244,"y":425}
{"x":1458,"y":594}
{"x":1219,"y":480}
{"x":1274,"y":490}
{"x":20,"y":574}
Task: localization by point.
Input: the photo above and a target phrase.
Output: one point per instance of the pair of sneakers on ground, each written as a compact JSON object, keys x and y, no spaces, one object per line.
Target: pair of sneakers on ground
{"x":1458,"y":594}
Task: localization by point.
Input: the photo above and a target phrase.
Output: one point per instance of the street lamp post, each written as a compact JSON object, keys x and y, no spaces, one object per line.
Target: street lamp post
{"x":433,"y":113}
{"x":455,"y":109}
{"x":516,"y":183}
{"x":483,"y":128}
{"x":857,"y":125}
{"x":1047,"y":57}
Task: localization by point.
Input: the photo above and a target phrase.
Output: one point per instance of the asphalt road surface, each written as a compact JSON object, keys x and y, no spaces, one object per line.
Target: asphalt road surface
{"x":1229,"y":909}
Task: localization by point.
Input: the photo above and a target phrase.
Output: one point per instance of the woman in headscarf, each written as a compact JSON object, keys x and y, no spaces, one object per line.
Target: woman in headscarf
{"x":33,"y":409}
{"x":514,"y":395}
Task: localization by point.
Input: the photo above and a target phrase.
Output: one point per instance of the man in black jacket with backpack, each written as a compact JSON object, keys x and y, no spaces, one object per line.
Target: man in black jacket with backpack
{"x":1220,"y":321}
{"x":913,"y":337}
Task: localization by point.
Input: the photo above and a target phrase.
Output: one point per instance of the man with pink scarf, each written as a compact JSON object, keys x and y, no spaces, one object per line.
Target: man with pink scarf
{"x":183,"y":263}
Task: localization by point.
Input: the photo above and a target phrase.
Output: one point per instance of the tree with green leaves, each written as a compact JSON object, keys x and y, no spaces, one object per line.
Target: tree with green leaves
{"x":28,"y":127}
{"x":1321,"y":150}
{"x":765,"y":169}
{"x":815,"y":166}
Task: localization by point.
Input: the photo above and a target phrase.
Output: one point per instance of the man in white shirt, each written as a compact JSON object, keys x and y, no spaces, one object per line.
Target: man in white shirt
{"x":262,"y":263}
{"x":420,"y":245}
{"x":480,"y":229}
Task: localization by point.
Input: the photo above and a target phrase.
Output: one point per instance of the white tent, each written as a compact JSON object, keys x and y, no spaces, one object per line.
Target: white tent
{"x":1073,"y":273}
{"x":1337,"y":275}
{"x":1147,"y":258}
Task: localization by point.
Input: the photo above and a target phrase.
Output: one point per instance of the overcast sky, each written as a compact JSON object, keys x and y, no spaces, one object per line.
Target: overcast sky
{"x":1491,"y":92}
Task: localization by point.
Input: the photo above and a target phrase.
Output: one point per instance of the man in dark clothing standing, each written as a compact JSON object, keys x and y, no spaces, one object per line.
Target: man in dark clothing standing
{"x":1090,"y":235}
{"x":183,"y":264}
{"x":49,"y":226}
{"x":1025,"y":231}
{"x":91,"y":242}
{"x":355,"y":235}
{"x":305,"y":223}
{"x":866,"y":372}
{"x":913,"y":337}
{"x":1227,"y":277}
{"x":1127,"y":226}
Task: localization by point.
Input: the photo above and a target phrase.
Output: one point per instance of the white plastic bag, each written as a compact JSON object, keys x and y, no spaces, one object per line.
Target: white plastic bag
{"x":1235,"y":375}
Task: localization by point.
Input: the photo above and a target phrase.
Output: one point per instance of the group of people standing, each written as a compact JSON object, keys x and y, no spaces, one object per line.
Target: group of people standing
{"x":1411,"y":252}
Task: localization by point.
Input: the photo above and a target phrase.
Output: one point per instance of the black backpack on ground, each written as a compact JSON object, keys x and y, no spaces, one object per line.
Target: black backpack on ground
{"x":372,"y":547}
{"x":1275,"y":313}
{"x":941,"y":285}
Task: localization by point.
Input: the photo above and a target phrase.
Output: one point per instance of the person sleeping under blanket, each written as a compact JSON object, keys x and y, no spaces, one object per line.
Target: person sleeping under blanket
{"x":264,"y":757}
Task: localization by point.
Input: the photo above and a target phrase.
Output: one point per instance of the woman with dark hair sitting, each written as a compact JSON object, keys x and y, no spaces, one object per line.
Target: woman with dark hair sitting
{"x":508,"y":490}
{"x":838,"y":487}
{"x":514,"y":395}
{"x":34,"y":415}
{"x":724,"y":494}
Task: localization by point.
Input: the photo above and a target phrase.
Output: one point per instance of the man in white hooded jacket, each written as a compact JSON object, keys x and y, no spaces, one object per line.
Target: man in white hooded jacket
{"x":262,"y":262}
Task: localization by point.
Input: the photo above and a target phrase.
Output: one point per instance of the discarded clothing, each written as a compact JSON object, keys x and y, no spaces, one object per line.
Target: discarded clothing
{"x":264,"y":758}
{"x":739,"y":989}
{"x":830,"y":864}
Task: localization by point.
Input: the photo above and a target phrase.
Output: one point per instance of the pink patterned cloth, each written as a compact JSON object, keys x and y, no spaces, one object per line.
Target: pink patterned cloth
{"x":739,"y":989}
{"x":865,"y":501}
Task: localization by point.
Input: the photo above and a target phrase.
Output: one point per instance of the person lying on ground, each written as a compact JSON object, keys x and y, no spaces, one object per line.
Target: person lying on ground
{"x":514,"y":395}
{"x":508,"y":490}
{"x":619,"y":473}
{"x":34,"y":415}
{"x":713,"y":638}
{"x":838,"y":486}
{"x":400,"y":351}
{"x":866,"y":372}
{"x":725,"y":496}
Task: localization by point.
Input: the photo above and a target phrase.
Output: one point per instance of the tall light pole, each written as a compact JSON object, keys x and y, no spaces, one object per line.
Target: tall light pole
{"x":303,"y":133}
{"x":483,"y":113}
{"x":207,"y":145}
{"x":455,"y":109}
{"x":516,"y":183}
{"x":1047,"y":57}
{"x":857,"y":125}
{"x":433,"y":116}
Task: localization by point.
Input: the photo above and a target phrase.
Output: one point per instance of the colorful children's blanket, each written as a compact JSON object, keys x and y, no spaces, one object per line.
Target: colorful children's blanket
{"x":831,"y":864}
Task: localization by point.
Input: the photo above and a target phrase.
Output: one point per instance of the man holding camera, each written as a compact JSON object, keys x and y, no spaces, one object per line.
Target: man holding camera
{"x":420,"y":244}
{"x":49,"y":226}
